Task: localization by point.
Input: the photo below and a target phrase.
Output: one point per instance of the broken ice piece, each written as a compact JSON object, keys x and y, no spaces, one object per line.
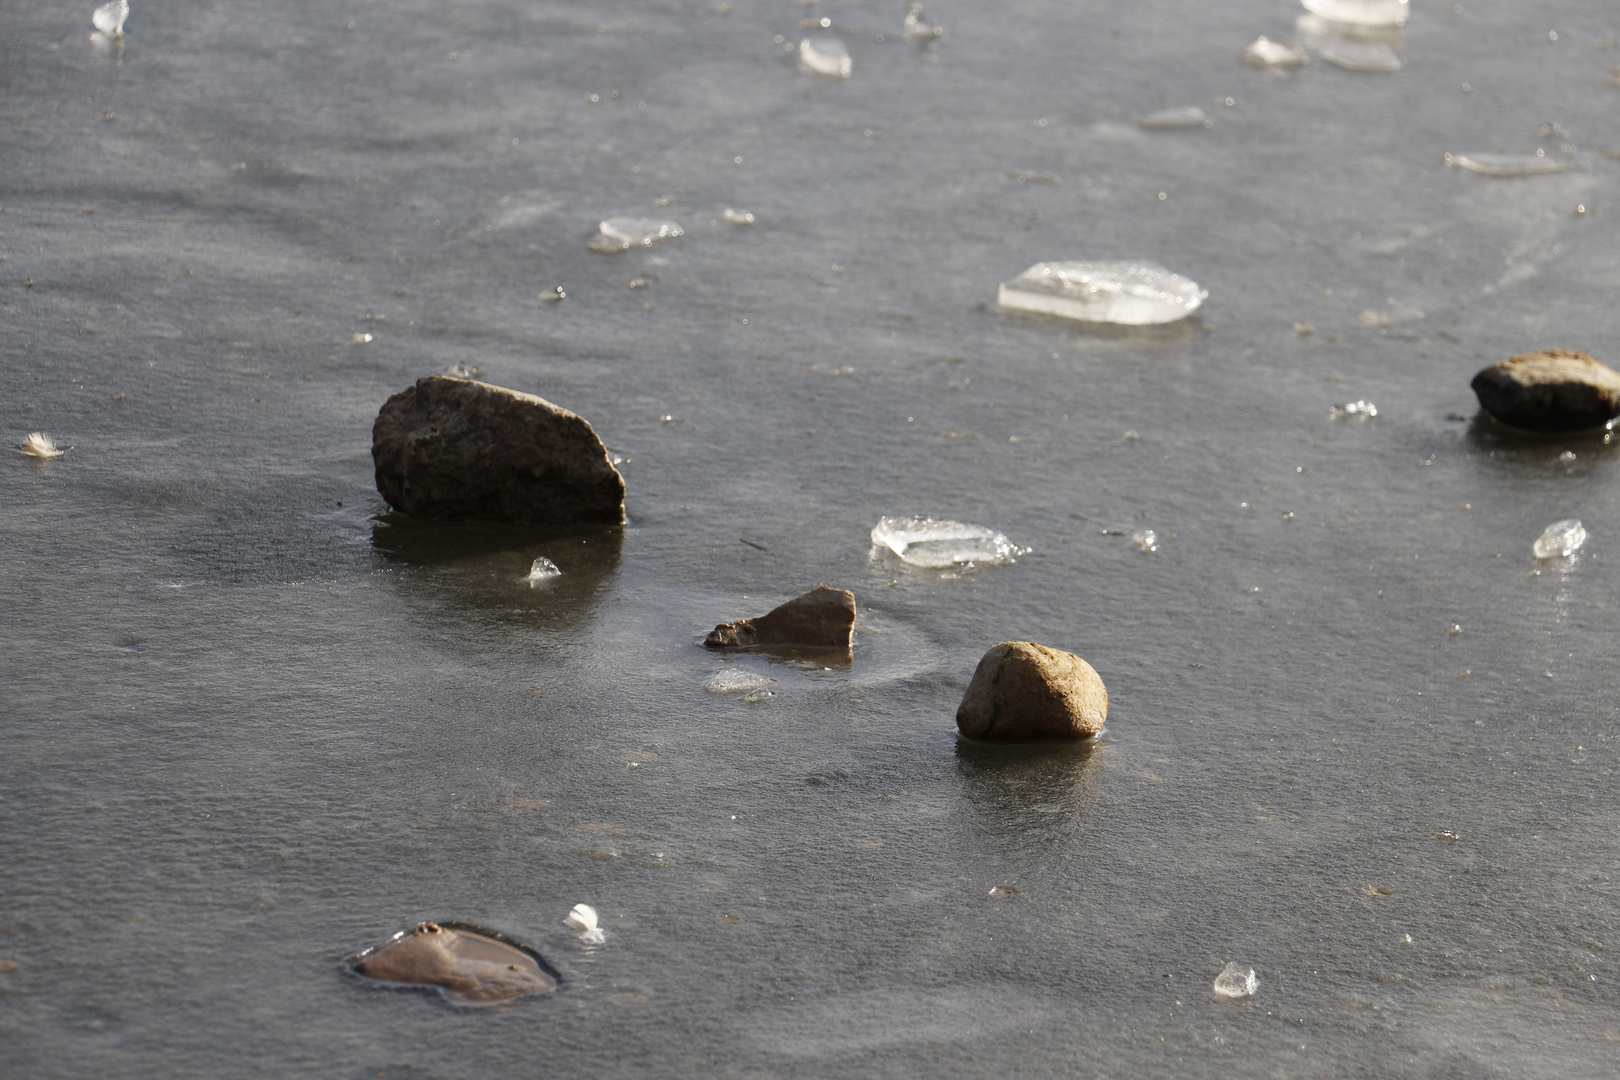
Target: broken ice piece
{"x":737,"y":217}
{"x":1146,"y":540}
{"x":735,"y":681}
{"x":1236,"y":982}
{"x":1560,"y":540}
{"x":825,"y":56}
{"x":40,"y":445}
{"x":926,"y":541}
{"x":918,"y":26}
{"x":1267,"y":53}
{"x":754,"y":697}
{"x":1361,"y":410}
{"x":1360,"y":55}
{"x":543,"y":570}
{"x":462,"y":371}
{"x":624,"y":233}
{"x":1511,"y":164}
{"x":1360,"y":12}
{"x":1128,"y":293}
{"x":1183,"y":119}
{"x":109,"y":18}
{"x":583,"y":919}
{"x":554,"y":296}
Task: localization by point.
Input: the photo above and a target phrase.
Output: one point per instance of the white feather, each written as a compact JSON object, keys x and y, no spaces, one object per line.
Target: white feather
{"x":40,"y":445}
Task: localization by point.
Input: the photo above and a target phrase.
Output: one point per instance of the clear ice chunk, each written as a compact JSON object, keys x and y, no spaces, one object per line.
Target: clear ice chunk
{"x":1360,"y":12}
{"x":1511,"y":164}
{"x":918,"y":26}
{"x":1236,"y":982}
{"x":1146,"y":540}
{"x":1181,"y":119}
{"x":930,"y":542}
{"x":1360,"y":410}
{"x":109,"y":18}
{"x":1362,"y":47}
{"x":1128,"y":293}
{"x":542,"y":570}
{"x":1560,"y":540}
{"x":737,"y":217}
{"x":624,"y":233}
{"x":737,"y":681}
{"x":825,"y":56}
{"x":1267,"y":53}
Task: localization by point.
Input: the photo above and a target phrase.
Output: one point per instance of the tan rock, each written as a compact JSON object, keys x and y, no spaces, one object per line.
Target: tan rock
{"x":450,"y":448}
{"x":468,"y":966}
{"x":1024,"y":692}
{"x":823,"y":618}
{"x":1556,"y":390}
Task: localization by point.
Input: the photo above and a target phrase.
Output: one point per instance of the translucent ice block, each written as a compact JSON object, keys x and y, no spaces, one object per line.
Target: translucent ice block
{"x":1511,"y":164}
{"x":825,"y":56}
{"x":1236,"y":982}
{"x":1357,"y":410}
{"x":1181,"y":119}
{"x":1129,"y":293}
{"x":736,"y":681}
{"x":918,"y":26}
{"x":926,"y":541}
{"x":543,"y":570}
{"x":1146,"y":540}
{"x":1267,"y":53}
{"x":1560,"y":539}
{"x":737,"y":217}
{"x":624,"y":233}
{"x":1359,"y":55}
{"x":1360,"y":12}
{"x":109,"y":18}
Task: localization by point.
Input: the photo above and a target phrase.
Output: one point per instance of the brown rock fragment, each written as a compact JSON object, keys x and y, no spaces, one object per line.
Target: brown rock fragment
{"x":823,"y":618}
{"x":1552,"y":391}
{"x":470,"y":967}
{"x":450,"y":448}
{"x":1024,"y":692}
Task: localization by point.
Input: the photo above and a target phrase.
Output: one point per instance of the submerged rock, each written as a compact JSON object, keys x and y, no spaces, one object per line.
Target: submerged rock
{"x":1556,"y":390}
{"x":451,"y":448}
{"x":469,"y":966}
{"x":1024,"y":692}
{"x":823,"y":618}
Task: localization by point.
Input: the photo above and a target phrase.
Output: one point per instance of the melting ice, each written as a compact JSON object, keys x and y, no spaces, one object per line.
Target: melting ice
{"x":1360,"y":410}
{"x":1357,"y":48}
{"x":1360,"y":12}
{"x":1182,"y":119}
{"x":1128,"y":293}
{"x":737,"y":681}
{"x":1146,"y":540}
{"x":1511,"y":164}
{"x":542,"y":570}
{"x":737,"y":217}
{"x":624,"y":233}
{"x":109,"y":18}
{"x":1560,"y":539}
{"x":926,"y":541}
{"x":825,"y":56}
{"x":1267,"y":53}
{"x":918,"y":26}
{"x":583,"y":919}
{"x":1236,"y":982}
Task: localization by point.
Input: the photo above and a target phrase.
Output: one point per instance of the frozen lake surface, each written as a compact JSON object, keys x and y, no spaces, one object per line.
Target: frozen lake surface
{"x":1361,"y":741}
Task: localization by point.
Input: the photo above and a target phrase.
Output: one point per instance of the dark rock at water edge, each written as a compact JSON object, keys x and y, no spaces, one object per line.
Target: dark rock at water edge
{"x":451,"y":448}
{"x":471,"y":967}
{"x":1553,"y":391}
{"x":823,"y":618}
{"x":1024,"y":692}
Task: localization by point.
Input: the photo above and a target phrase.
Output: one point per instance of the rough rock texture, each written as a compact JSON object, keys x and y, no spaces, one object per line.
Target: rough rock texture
{"x":1024,"y":692}
{"x":1552,"y":391}
{"x":822,"y":618}
{"x":452,"y":448}
{"x":468,"y":966}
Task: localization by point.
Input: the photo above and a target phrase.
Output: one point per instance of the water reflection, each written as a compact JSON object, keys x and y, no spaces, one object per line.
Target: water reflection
{"x":1017,"y":781}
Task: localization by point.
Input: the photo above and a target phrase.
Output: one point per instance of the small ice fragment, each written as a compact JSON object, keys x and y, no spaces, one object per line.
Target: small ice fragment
{"x":1359,"y":55}
{"x":624,"y":233}
{"x":554,"y":296}
{"x":1360,"y":12}
{"x":926,"y":541}
{"x":825,"y":56}
{"x":109,"y":18}
{"x":736,"y":681}
{"x":1454,"y":629}
{"x":361,"y":339}
{"x":754,"y":697}
{"x":1236,"y":982}
{"x":462,"y":371}
{"x":1567,"y":455}
{"x":1560,"y":540}
{"x":542,"y":570}
{"x":1360,"y":410}
{"x":737,"y":217}
{"x":1304,"y":329}
{"x":1182,"y":119}
{"x":918,"y":26}
{"x":1267,"y":53}
{"x":1128,"y":293}
{"x":1146,"y":540}
{"x":583,"y":919}
{"x":40,"y":445}
{"x":1512,"y":164}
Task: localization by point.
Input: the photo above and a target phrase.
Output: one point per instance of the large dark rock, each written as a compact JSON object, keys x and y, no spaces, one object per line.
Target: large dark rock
{"x":1552,"y":391}
{"x":823,"y":618}
{"x":452,"y":448}
{"x":1024,"y":692}
{"x":468,"y":966}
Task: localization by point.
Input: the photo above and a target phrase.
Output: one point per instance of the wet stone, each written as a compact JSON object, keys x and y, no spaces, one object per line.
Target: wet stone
{"x":823,"y":618}
{"x":1024,"y":692}
{"x":449,"y":449}
{"x":470,"y":966}
{"x":1556,"y":390}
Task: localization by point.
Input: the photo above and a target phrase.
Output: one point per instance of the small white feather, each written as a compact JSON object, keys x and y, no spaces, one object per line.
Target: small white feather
{"x":583,"y":919}
{"x":40,"y":445}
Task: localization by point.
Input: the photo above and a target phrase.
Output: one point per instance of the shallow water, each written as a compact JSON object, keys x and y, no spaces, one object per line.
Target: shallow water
{"x":253,"y":723}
